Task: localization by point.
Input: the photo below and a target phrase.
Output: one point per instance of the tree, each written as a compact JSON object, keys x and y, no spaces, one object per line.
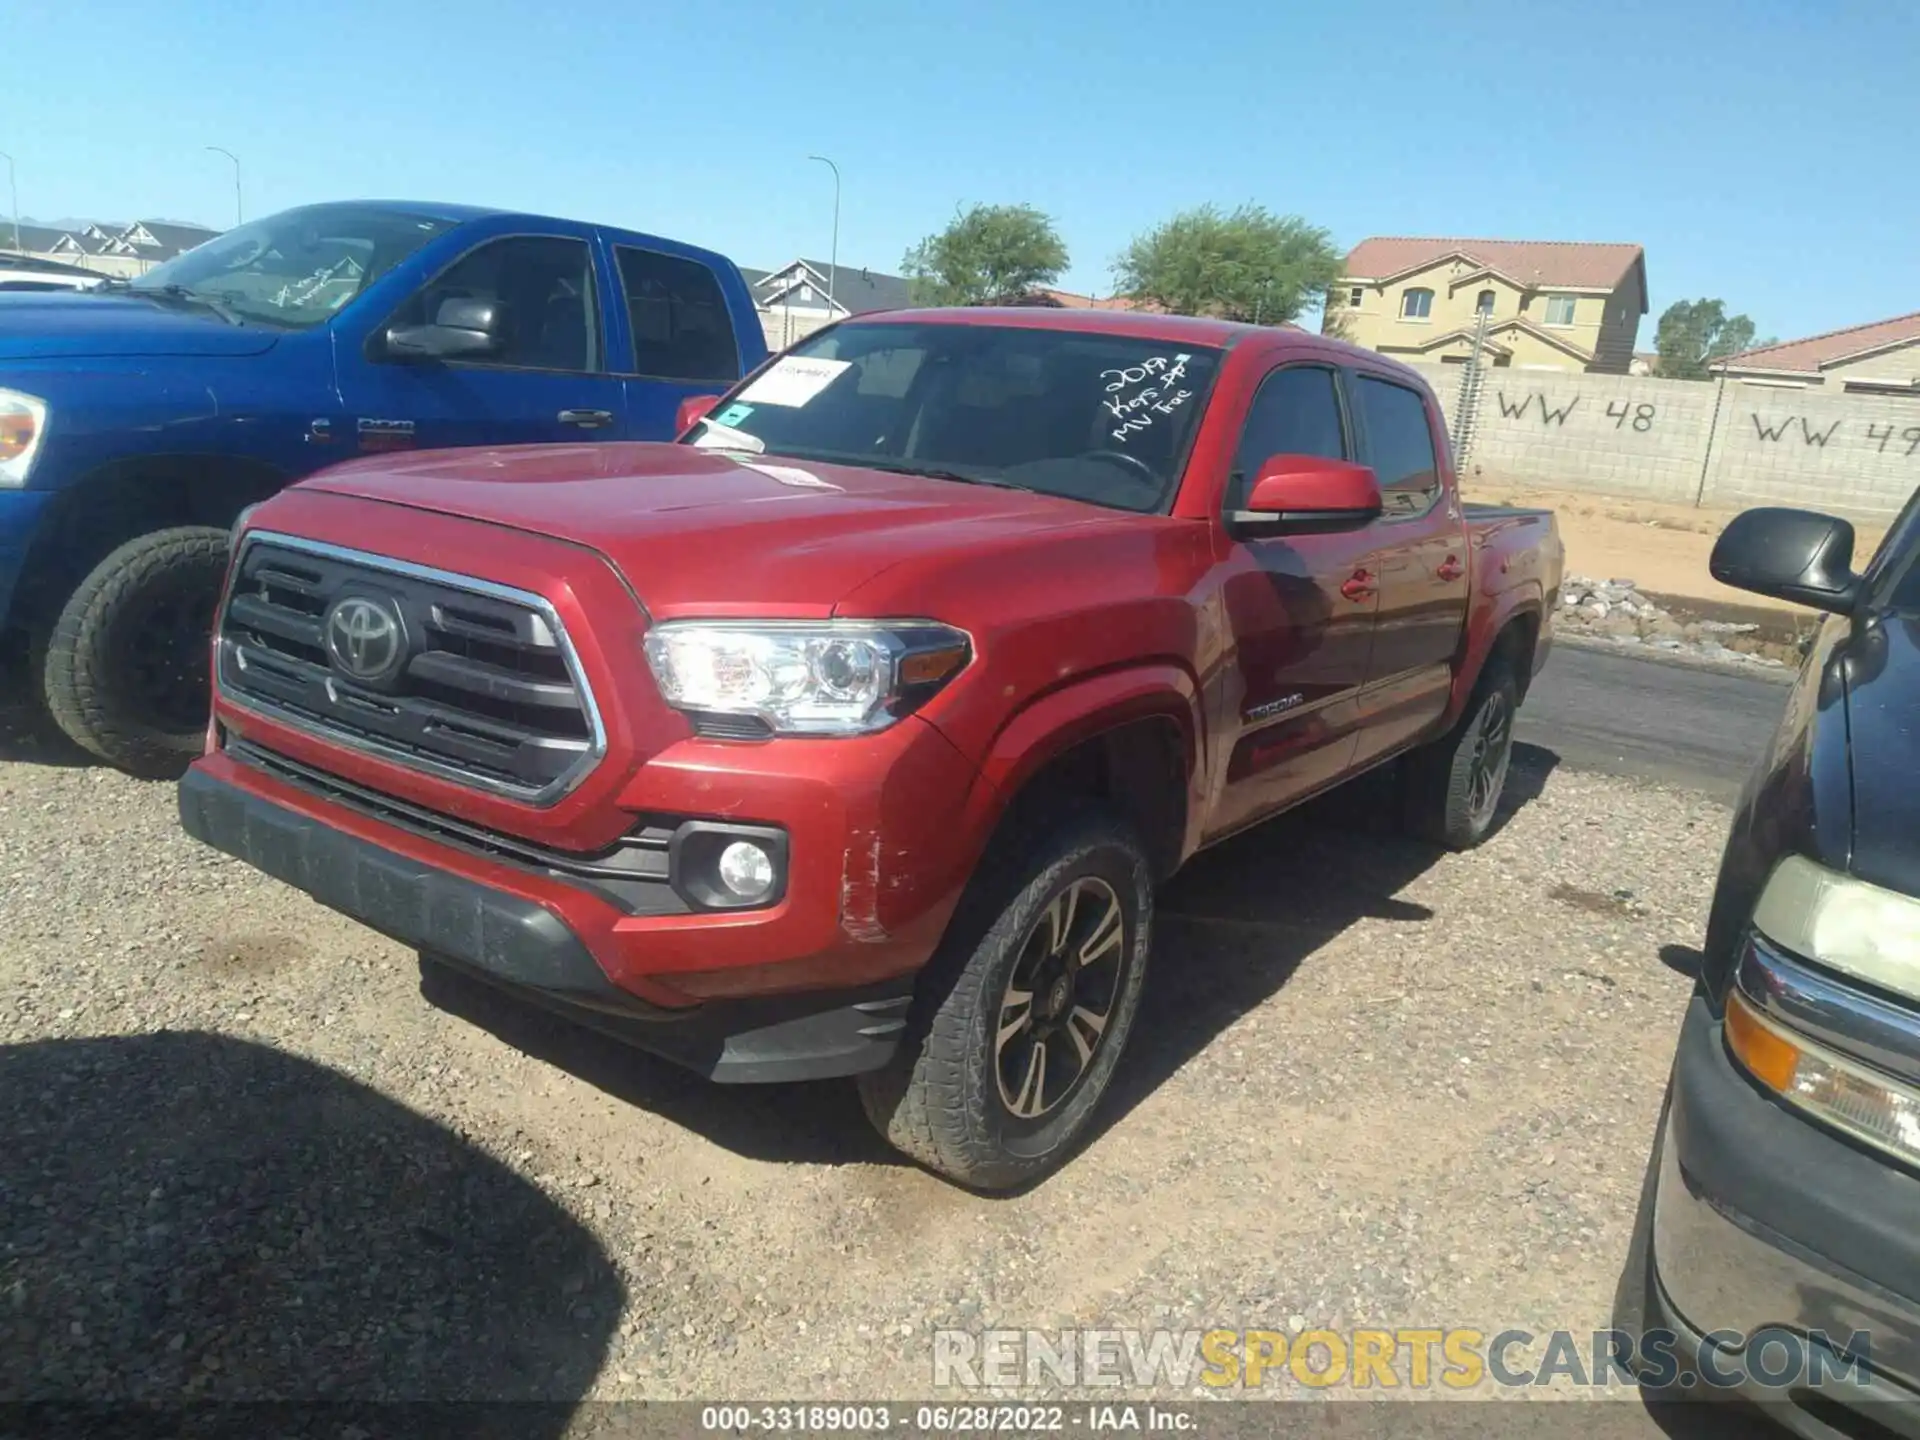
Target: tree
{"x":992,"y":252}
{"x":1693,"y":334}
{"x":1248,"y":264}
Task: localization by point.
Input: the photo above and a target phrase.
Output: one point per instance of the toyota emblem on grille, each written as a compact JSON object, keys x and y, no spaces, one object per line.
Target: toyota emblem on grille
{"x":365,"y":638}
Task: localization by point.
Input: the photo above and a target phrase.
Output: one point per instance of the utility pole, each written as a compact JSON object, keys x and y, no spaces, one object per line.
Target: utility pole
{"x":13,"y":191}
{"x":833,"y":258}
{"x":239,"y":214}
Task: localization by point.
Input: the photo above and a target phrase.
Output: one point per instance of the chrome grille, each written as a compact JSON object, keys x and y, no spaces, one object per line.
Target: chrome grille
{"x":452,"y":675}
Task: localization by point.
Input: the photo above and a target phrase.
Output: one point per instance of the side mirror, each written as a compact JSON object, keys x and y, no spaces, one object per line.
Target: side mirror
{"x":1795,"y":555}
{"x":1310,"y":492}
{"x":693,"y":409}
{"x":462,"y":328}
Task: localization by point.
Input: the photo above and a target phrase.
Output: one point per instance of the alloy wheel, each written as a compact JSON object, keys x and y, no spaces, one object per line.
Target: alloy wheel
{"x":1059,"y":998}
{"x":1492,"y":752}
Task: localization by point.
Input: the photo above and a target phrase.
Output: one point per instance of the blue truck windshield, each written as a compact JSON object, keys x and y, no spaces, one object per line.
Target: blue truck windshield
{"x":298,"y":268}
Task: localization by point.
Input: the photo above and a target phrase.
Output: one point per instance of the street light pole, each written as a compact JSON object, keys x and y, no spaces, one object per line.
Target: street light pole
{"x":833,"y":259}
{"x":239,"y":215}
{"x":13,"y":192}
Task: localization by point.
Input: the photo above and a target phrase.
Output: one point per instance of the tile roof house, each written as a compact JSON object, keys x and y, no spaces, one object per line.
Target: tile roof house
{"x":1068,"y":300}
{"x":125,"y":250}
{"x":157,"y":240}
{"x":1550,"y":304}
{"x":34,"y":239}
{"x":1881,"y":358}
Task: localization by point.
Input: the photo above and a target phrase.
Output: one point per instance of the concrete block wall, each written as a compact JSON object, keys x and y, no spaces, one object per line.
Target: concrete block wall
{"x":1852,"y":454}
{"x":1690,"y":442}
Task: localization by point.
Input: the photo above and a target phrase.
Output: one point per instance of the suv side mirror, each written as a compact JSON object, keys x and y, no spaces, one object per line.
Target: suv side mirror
{"x":463,"y":327}
{"x":1309,"y":492}
{"x":1795,"y":555}
{"x":693,"y":409}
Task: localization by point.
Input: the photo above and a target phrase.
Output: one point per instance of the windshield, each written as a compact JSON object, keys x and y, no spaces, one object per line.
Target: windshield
{"x":295,"y":269}
{"x":1083,"y":415}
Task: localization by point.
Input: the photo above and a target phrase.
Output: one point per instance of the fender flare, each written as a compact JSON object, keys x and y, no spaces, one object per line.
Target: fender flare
{"x":1079,"y":710}
{"x":1090,"y":705}
{"x":1483,"y":631}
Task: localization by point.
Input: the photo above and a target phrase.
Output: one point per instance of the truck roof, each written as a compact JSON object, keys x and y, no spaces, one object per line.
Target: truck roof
{"x":461,"y":214}
{"x":1195,"y":330}
{"x":1142,"y":325}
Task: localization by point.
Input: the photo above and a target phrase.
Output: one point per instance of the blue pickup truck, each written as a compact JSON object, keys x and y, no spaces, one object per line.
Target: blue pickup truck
{"x":139,"y":419}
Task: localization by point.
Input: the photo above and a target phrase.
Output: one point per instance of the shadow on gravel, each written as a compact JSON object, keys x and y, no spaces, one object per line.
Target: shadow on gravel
{"x":187,"y":1218}
{"x":819,"y":1123}
{"x":27,"y":736}
{"x":1234,"y":925}
{"x":1240,"y":919}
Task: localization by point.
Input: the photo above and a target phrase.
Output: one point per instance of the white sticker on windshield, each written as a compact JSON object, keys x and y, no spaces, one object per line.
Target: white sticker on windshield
{"x":793,"y":380}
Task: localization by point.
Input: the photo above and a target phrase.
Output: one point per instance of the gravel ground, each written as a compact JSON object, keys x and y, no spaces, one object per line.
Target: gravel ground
{"x":245,"y":1157}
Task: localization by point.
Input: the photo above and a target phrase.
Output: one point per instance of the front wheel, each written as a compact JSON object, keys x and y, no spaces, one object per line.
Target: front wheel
{"x":126,"y":671}
{"x":1025,"y":1011}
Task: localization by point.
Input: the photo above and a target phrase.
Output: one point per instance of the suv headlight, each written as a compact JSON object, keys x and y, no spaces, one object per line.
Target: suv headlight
{"x":833,"y":677}
{"x":23,"y":423}
{"x":1843,"y":923}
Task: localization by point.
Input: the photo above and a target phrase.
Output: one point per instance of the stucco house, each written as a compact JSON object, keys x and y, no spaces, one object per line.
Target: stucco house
{"x":1881,"y":358}
{"x":1550,"y":304}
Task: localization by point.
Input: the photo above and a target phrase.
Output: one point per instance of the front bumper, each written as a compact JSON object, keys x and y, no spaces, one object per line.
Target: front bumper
{"x":1765,"y":1222}
{"x":508,"y":937}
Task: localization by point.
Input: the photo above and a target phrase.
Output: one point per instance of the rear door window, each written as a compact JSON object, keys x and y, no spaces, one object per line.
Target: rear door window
{"x":681,"y":327}
{"x":1399,"y":445}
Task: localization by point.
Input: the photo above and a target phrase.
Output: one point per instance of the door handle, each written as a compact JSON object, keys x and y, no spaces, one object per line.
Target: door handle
{"x":1451,"y":569}
{"x":586,"y":419}
{"x":1358,"y":586}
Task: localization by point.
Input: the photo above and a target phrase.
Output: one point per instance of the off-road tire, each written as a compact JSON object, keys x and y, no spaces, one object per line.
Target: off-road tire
{"x":939,"y":1101}
{"x":1440,"y":778}
{"x":87,"y":674}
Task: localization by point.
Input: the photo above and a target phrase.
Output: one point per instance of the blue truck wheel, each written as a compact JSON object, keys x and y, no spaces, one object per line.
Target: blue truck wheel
{"x":126,"y":673}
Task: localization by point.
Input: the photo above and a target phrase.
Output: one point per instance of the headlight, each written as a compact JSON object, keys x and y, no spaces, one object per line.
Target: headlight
{"x":23,"y":422}
{"x":802,"y":678}
{"x":1844,"y":924}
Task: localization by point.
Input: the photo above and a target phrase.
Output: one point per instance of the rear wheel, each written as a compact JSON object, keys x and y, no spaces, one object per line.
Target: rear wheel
{"x":1024,"y":1013}
{"x":1454,"y":784}
{"x":126,"y":673}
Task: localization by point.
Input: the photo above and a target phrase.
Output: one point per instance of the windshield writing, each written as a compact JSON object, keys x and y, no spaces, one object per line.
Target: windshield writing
{"x":1079,"y":414}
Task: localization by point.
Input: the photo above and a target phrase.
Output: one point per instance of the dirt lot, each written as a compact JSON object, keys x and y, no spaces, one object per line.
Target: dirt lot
{"x":1662,"y":548}
{"x":246,"y":1158}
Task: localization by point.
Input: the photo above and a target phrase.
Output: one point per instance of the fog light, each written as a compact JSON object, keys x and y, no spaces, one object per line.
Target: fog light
{"x":746,"y":870}
{"x":1851,"y":1097}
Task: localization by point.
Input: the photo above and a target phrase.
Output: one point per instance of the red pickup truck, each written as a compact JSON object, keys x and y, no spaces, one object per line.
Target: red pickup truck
{"x":851,"y":733}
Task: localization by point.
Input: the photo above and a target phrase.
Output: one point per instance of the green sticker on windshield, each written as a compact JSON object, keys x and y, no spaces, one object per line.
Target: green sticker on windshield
{"x":733,"y":415}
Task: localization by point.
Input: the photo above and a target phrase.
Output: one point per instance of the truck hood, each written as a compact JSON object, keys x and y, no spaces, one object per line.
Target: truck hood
{"x":51,"y":325}
{"x":1883,"y":732}
{"x":700,"y":533}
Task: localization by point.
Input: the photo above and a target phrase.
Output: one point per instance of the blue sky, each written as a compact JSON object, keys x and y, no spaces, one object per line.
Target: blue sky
{"x":1760,"y":150}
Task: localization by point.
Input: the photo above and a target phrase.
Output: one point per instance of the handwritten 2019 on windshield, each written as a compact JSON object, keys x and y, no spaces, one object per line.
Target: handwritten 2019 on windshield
{"x":1161,"y":392}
